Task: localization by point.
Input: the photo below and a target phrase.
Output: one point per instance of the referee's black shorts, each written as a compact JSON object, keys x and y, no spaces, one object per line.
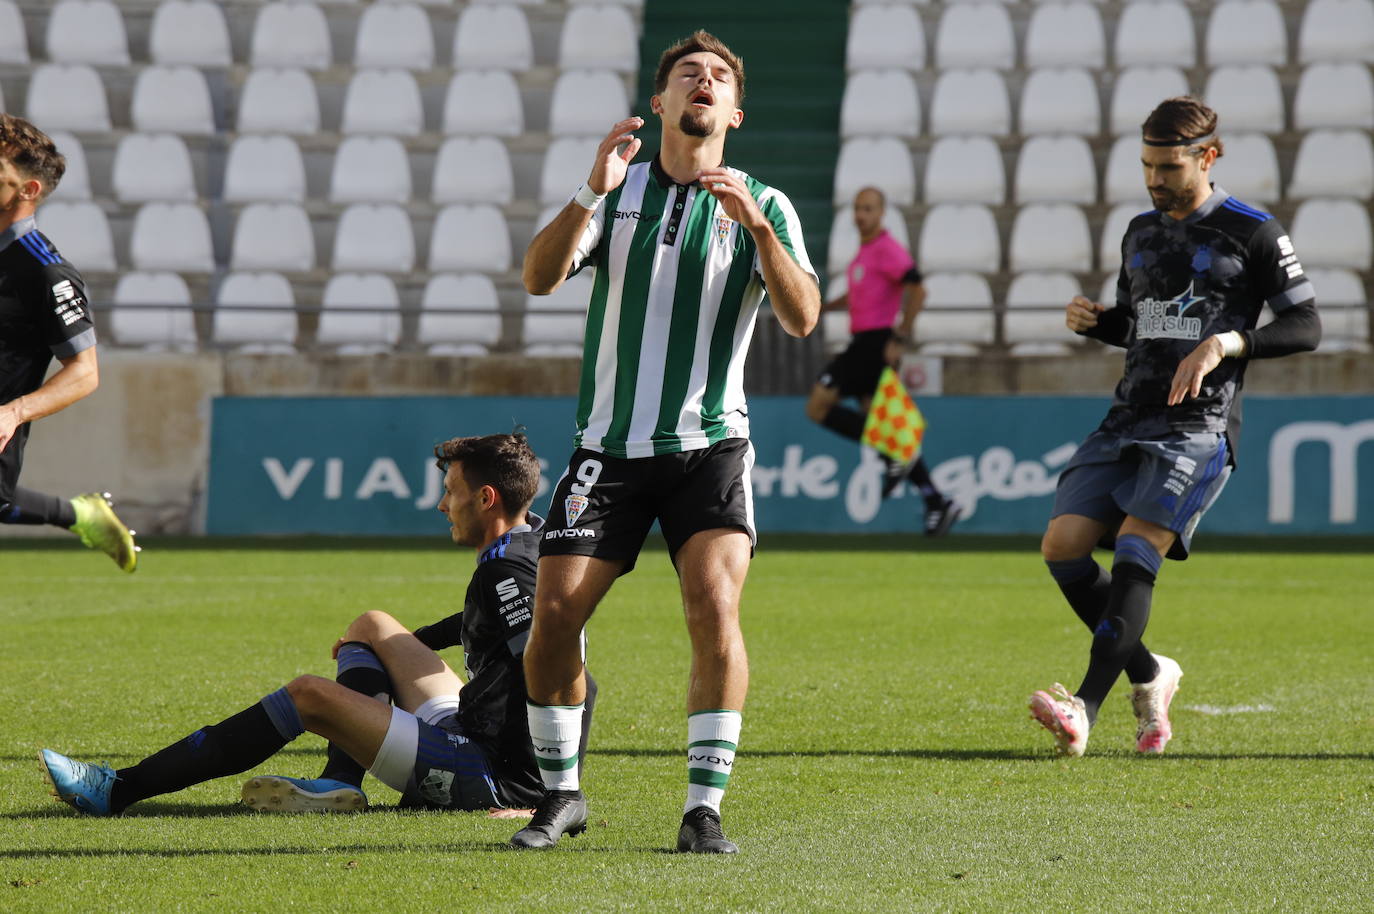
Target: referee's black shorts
{"x":855,"y":372}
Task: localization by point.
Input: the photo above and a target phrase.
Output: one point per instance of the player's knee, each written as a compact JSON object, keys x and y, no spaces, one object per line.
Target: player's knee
{"x":310,"y":694}
{"x":558,"y":616}
{"x":368,"y":625}
{"x":1055,"y":547}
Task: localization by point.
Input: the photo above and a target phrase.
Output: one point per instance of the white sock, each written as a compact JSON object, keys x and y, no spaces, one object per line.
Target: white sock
{"x":711,"y":740}
{"x":556,"y":731}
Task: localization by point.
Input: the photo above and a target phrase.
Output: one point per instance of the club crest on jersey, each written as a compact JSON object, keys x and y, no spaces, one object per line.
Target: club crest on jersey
{"x":1166,"y":318}
{"x":573,"y":506}
{"x":723,"y":226}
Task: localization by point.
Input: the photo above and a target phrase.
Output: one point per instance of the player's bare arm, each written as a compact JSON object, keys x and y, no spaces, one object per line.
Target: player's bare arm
{"x":77,"y":378}
{"x":1194,"y":367}
{"x":1081,"y":314}
{"x":550,"y":255}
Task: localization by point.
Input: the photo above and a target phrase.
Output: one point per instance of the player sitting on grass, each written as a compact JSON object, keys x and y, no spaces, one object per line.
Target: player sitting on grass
{"x":444,"y":744}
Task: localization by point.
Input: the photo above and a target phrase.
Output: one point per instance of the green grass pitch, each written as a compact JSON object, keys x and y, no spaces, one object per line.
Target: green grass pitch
{"x":887,"y":761}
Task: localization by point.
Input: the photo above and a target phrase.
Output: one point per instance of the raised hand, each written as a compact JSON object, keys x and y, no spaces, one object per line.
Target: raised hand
{"x":1081,"y":314}
{"x":734,"y":197}
{"x":611,"y":160}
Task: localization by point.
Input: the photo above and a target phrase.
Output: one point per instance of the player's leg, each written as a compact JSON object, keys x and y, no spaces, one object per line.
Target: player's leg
{"x":31,"y":508}
{"x":89,"y":516}
{"x":360,"y":669}
{"x":941,"y":512}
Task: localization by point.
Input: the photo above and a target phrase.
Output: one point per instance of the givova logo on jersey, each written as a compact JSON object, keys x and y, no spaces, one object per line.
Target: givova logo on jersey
{"x":1168,"y":318}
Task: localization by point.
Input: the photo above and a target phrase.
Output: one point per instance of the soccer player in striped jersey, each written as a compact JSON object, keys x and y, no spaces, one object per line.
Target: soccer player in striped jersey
{"x":684,"y":248}
{"x":44,"y":314}
{"x":1195,"y":272}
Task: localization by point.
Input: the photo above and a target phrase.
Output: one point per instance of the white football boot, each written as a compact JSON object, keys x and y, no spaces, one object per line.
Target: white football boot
{"x":1151,"y":703}
{"x":1064,"y":715}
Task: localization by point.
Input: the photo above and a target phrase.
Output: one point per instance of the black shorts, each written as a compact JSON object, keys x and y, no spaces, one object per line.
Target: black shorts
{"x":11,"y":462}
{"x":604,"y":506}
{"x":855,"y":372}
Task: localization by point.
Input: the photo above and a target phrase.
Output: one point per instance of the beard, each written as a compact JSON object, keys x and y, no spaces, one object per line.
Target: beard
{"x":696,"y":122}
{"x":1168,"y":200}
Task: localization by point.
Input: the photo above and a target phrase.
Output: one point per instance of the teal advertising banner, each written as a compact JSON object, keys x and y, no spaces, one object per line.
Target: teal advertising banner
{"x":364,"y":466}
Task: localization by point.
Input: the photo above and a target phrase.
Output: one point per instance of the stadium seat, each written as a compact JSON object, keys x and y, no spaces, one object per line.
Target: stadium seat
{"x":473,"y":170}
{"x":1066,"y":34}
{"x":1138,"y":90}
{"x":1250,"y":169}
{"x":190,"y":32}
{"x":76,"y":181}
{"x":599,"y":37}
{"x":1124,"y":178}
{"x":975,"y":35}
{"x":1337,"y":30}
{"x":1061,"y":101}
{"x":1344,"y":308}
{"x":171,"y":327}
{"x":844,"y":237}
{"x":1246,"y":32}
{"x":965,"y":169}
{"x":374,"y":237}
{"x":473,"y":332}
{"x":1332,"y":233}
{"x":470,"y":239}
{"x":492,"y":38}
{"x":551,"y":334}
{"x":1034,"y":322}
{"x":152,"y":166}
{"x":1333,"y":163}
{"x":238,"y":323}
{"x":272,"y":236}
{"x":14,"y":44}
{"x":172,"y":100}
{"x":266,"y":169}
{"x":370,"y":169}
{"x":383,"y":101}
{"x":881,"y":162}
{"x":291,"y":35}
{"x":1109,"y":242}
{"x":586,"y":102}
{"x":394,"y":35}
{"x":1158,"y":34}
{"x":880,"y":103}
{"x":67,"y":97}
{"x":959,"y":237}
{"x":958,"y":316}
{"x":1250,"y":96}
{"x":171,"y":236}
{"x":1052,"y":169}
{"x":87,"y":31}
{"x":360,"y":314}
{"x":970,"y":101}
{"x":1050,"y":236}
{"x":279,"y":101}
{"x":486,"y":103}
{"x":566,"y":165}
{"x":81,"y":232}
{"x":1334,"y":95}
{"x":885,"y":37}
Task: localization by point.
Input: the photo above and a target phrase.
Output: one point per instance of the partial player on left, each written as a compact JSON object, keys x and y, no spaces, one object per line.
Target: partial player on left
{"x":44,"y":315}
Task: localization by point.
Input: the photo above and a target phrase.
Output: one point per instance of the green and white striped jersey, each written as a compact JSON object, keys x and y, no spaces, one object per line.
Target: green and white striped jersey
{"x":677,"y":288}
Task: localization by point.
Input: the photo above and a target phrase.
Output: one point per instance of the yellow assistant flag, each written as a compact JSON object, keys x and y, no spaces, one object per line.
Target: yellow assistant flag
{"x":895,"y":426}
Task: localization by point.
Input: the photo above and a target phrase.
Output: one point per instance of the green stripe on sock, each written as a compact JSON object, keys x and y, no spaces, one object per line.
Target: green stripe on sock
{"x":557,"y":764}
{"x":704,"y":777}
{"x":715,"y":711}
{"x":714,"y":744}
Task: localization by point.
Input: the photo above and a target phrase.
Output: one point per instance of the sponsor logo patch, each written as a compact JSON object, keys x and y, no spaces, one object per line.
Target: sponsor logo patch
{"x":573,"y":506}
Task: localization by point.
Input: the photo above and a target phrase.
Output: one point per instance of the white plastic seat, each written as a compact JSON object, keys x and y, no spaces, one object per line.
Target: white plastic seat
{"x":81,"y":232}
{"x":970,"y":101}
{"x":1056,"y":168}
{"x":965,"y":169}
{"x":1246,"y":32}
{"x":880,"y":103}
{"x":67,"y":97}
{"x":490,"y":37}
{"x":238,"y":322}
{"x":1250,"y":169}
{"x":1061,"y":101}
{"x":264,"y":168}
{"x":394,"y":35}
{"x":1138,"y":91}
{"x":885,"y":36}
{"x":360,"y":314}
{"x":152,"y":166}
{"x":370,"y":169}
{"x":374,"y":237}
{"x":551,"y":334}
{"x":473,"y":170}
{"x":470,"y":239}
{"x":474,"y":331}
{"x":844,"y":237}
{"x":172,"y":100}
{"x":1158,"y":34}
{"x":190,"y":32}
{"x":1109,"y":242}
{"x":942,"y":330}
{"x":1034,"y":322}
{"x":291,"y":35}
{"x":1334,"y":95}
{"x":566,"y":165}
{"x":76,"y":181}
{"x":975,"y":35}
{"x":1332,"y":233}
{"x":1345,"y":310}
{"x":1124,"y":179}
{"x":585,"y":102}
{"x":383,"y":101}
{"x":1061,"y":34}
{"x":171,"y":236}
{"x":14,"y":43}
{"x":597,"y":37}
{"x":173,"y":326}
{"x":881,"y":162}
{"x":1337,"y":30}
{"x":1050,"y":236}
{"x":273,"y":236}
{"x":1333,"y":163}
{"x":960,"y":237}
{"x":279,"y":101}
{"x":1250,"y":96}
{"x":483,"y":102}
{"x":87,"y":31}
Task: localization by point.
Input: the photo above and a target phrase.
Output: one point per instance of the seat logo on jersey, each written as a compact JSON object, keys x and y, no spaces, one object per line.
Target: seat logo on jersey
{"x":507,"y":590}
{"x":63,"y":291}
{"x":1289,"y":261}
{"x":1167,"y":318}
{"x":573,"y":506}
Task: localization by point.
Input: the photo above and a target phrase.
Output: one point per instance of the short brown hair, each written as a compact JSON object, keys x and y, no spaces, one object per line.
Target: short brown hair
{"x":1184,"y":118}
{"x":32,"y":153}
{"x":700,"y":40}
{"x":504,"y":462}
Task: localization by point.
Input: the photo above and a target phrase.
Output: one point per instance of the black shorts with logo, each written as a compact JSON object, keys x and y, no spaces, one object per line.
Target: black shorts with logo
{"x":855,"y":372}
{"x":11,"y":462}
{"x":604,"y":506}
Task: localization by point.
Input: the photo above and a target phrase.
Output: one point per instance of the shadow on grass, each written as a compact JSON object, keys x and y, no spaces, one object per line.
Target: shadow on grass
{"x":997,"y":755}
{"x":138,"y":755}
